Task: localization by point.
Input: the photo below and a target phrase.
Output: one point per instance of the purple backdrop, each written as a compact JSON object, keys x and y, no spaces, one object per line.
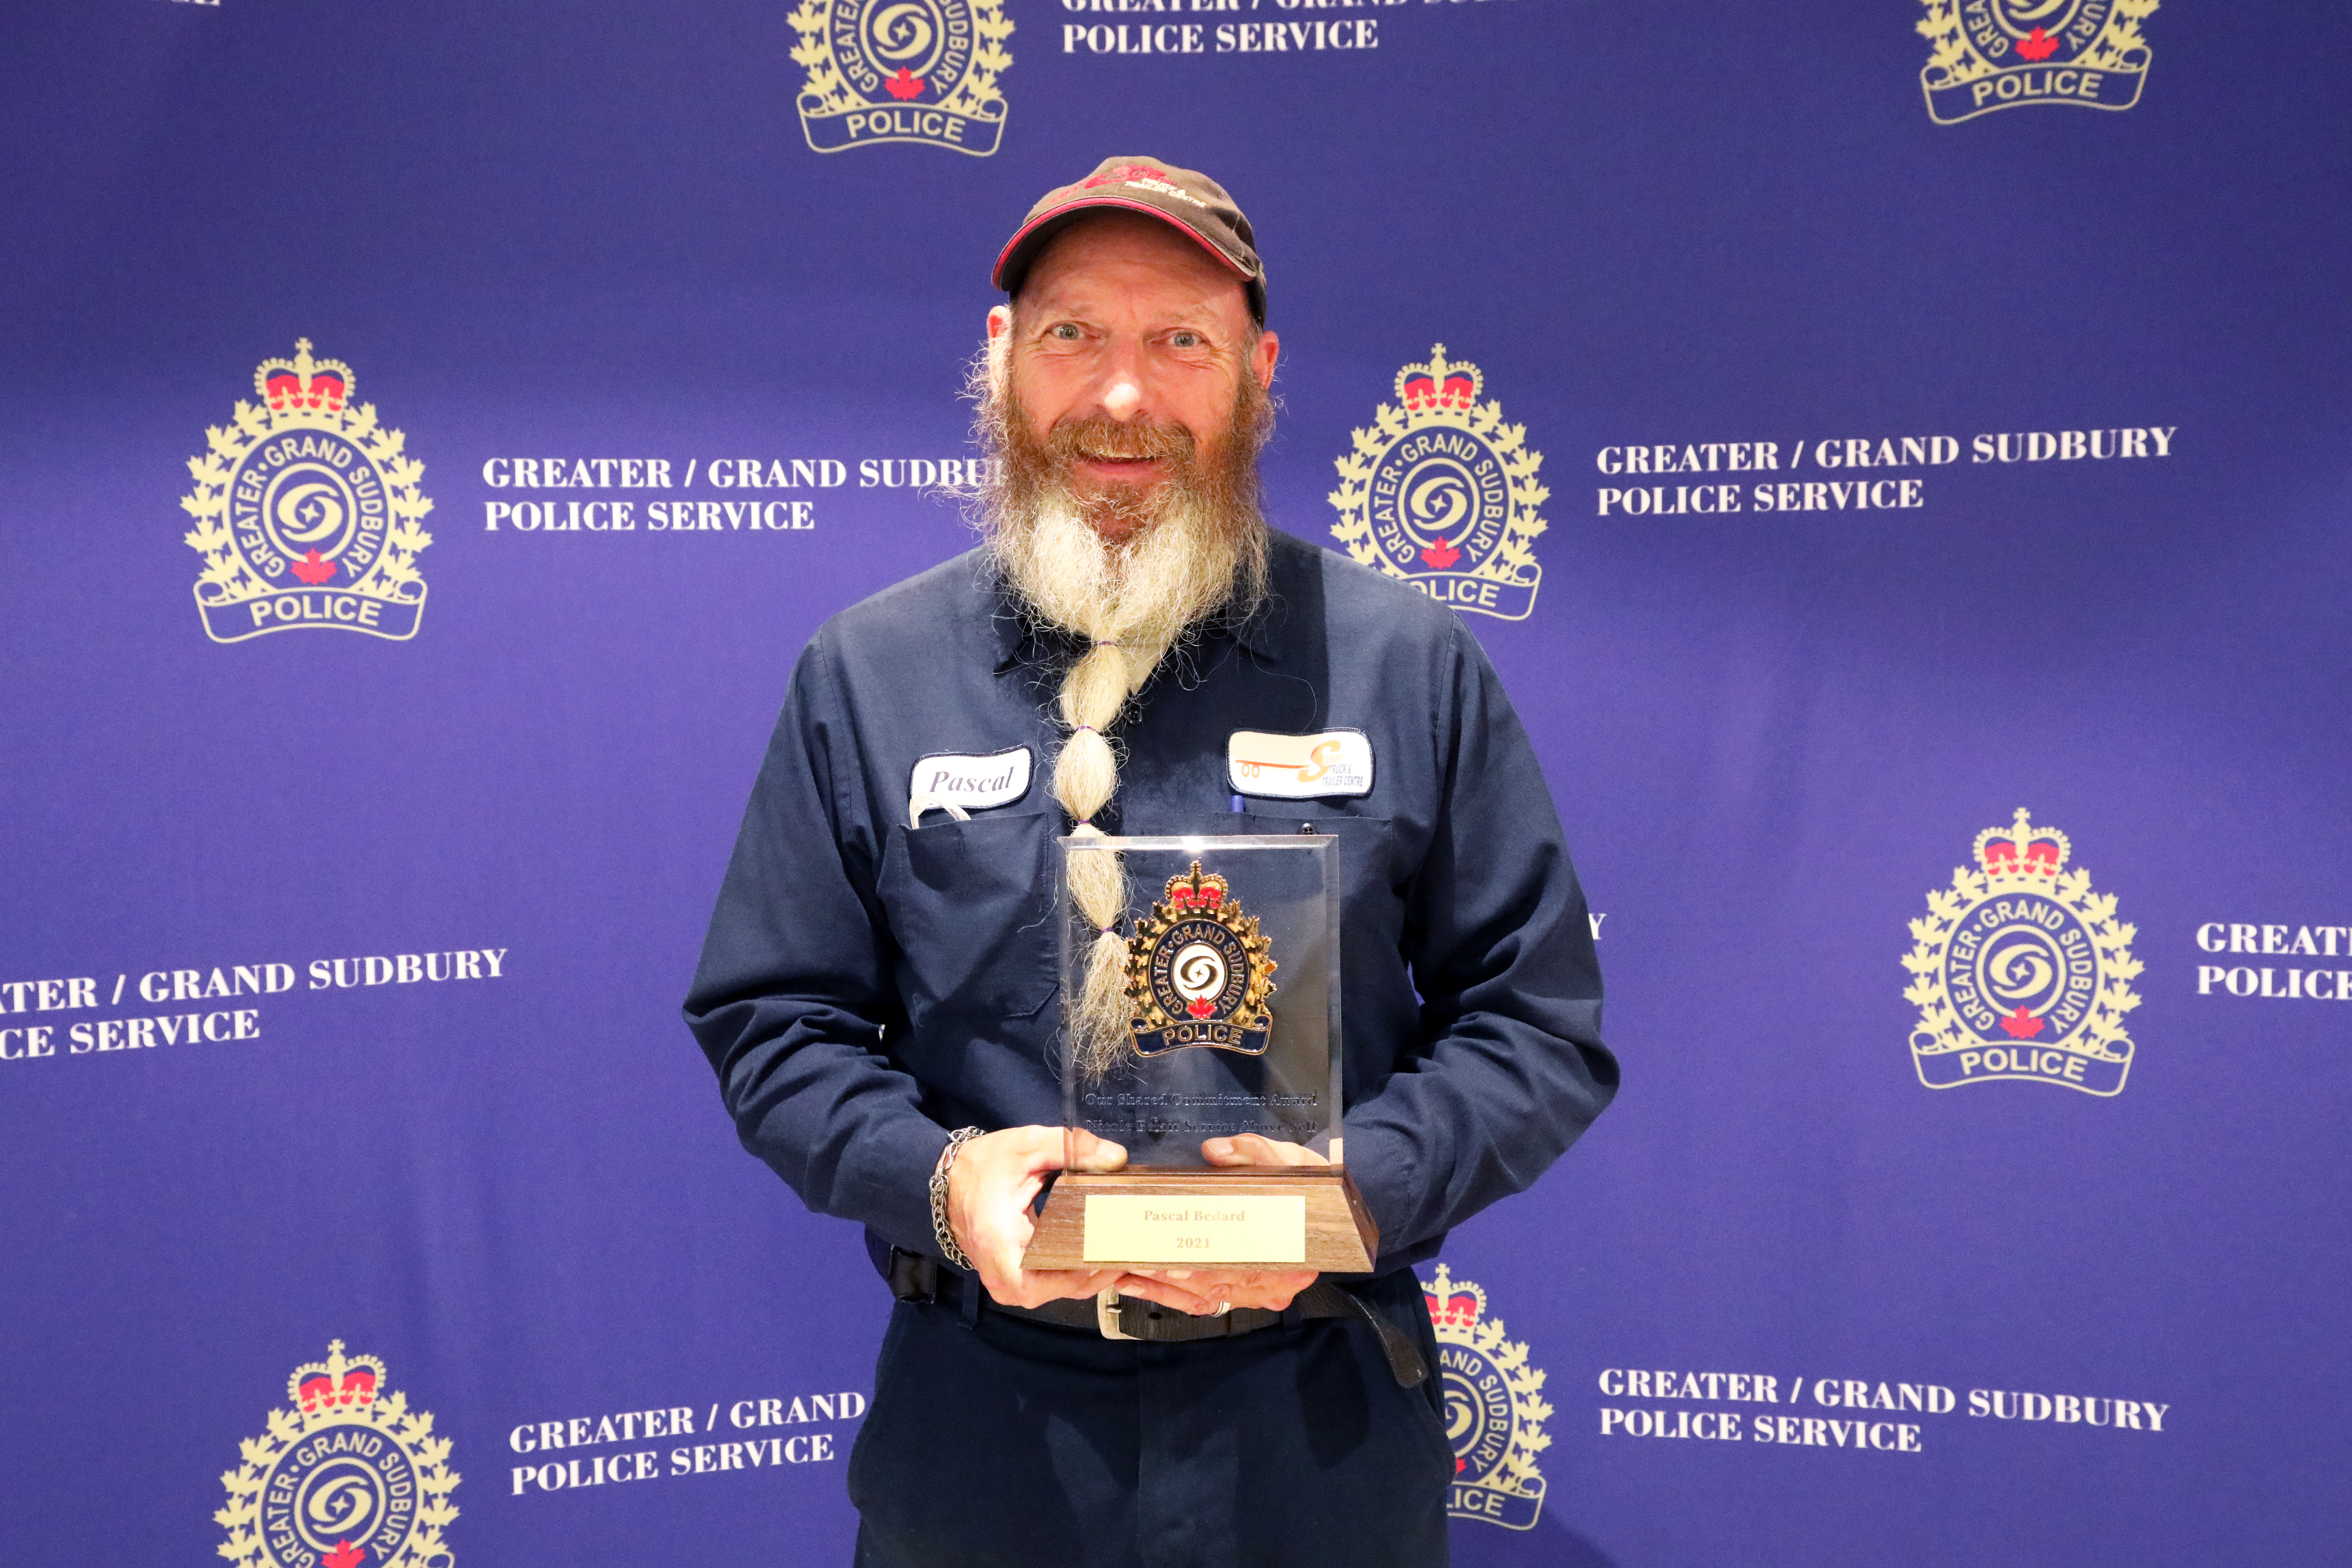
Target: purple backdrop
{"x":1940,"y":413}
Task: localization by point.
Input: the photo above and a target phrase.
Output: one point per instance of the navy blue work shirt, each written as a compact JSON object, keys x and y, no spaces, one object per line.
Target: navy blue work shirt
{"x":866,"y":987}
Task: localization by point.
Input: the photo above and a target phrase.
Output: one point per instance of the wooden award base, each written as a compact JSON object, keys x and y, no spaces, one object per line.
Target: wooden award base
{"x":1340,"y":1237}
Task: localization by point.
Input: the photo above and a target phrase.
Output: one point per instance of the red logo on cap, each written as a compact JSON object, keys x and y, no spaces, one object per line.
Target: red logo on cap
{"x":903,"y":85}
{"x":1120,"y":175}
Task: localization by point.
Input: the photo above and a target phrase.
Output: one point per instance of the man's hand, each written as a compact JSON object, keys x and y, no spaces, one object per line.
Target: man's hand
{"x":1249,"y":1148}
{"x":993,"y":1181}
{"x":1201,"y":1291}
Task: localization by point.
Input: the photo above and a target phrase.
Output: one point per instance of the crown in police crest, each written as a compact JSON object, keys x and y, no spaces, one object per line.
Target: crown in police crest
{"x":288,"y":386}
{"x":1196,"y":890}
{"x":2022,"y":848}
{"x":1439,"y":382}
{"x":337,"y":1382}
{"x":1454,"y":1303}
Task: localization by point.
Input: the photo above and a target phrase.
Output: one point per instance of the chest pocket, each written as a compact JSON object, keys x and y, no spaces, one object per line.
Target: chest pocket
{"x":971,"y":905}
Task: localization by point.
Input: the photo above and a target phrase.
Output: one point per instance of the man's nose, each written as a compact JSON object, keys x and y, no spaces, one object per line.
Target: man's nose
{"x":1120,"y":384}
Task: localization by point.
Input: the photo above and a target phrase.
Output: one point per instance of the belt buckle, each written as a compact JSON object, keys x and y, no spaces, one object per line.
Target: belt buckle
{"x":1107,"y":1316}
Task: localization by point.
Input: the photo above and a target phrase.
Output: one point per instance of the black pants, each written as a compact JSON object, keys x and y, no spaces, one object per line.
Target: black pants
{"x":1003,"y":1441}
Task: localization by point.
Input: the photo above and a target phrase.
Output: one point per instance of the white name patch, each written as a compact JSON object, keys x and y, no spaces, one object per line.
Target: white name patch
{"x":974,"y":782}
{"x":1299,"y":767}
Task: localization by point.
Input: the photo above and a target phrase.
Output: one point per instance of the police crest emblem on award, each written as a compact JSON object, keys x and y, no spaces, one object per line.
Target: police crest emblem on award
{"x":902,"y":70}
{"x":346,"y":1476}
{"x":2000,"y":54}
{"x":2020,"y":972}
{"x":1495,"y":1408}
{"x":1442,"y":493}
{"x":1199,"y":972}
{"x":307,"y":511}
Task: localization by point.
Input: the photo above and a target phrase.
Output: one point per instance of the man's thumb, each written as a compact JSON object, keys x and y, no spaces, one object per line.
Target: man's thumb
{"x":1095,"y":1154}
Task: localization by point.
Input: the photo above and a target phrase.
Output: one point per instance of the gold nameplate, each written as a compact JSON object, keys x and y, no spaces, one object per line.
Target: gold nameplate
{"x":1195,"y":1228}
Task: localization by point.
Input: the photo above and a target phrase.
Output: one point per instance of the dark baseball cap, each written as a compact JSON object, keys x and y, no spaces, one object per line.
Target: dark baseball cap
{"x":1195,"y":203}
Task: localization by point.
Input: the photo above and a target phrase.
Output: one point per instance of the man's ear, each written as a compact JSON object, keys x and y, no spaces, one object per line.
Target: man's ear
{"x":1262,"y":358}
{"x":1000,"y":321}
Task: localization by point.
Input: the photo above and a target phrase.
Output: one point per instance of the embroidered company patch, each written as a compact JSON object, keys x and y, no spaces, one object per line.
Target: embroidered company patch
{"x":2020,"y":972}
{"x":974,"y":783}
{"x":1442,"y":493}
{"x":902,"y":70}
{"x":305,"y":513}
{"x":1999,"y":54}
{"x":1299,"y":767}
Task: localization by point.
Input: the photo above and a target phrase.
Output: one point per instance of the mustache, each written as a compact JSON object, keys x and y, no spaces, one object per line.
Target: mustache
{"x":1098,"y":437}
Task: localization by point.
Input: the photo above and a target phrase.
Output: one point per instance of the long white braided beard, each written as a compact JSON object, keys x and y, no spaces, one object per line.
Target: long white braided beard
{"x":1132,"y":604}
{"x":1204,"y":548}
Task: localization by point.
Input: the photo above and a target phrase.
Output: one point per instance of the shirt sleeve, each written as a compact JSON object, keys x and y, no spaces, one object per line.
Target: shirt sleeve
{"x":792,"y":994}
{"x":1510,"y":1068}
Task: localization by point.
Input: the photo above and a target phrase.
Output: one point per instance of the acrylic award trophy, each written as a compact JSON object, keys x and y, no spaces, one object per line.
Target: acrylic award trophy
{"x":1231,"y":972}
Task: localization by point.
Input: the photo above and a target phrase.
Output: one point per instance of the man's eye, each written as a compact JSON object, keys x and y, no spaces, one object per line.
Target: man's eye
{"x":1067,"y":331}
{"x":1186,"y":340}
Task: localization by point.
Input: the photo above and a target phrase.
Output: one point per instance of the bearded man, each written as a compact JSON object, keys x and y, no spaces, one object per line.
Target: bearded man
{"x":879,"y":996}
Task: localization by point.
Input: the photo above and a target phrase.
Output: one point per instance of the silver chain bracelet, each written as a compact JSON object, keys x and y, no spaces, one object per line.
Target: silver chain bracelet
{"x":941,"y":1232}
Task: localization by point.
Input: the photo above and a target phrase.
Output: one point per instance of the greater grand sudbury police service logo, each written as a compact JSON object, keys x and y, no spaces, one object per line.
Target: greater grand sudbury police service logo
{"x":1442,"y":493}
{"x":1494,"y":1409}
{"x":305,"y":513}
{"x":1198,"y":972}
{"x":346,"y":1478}
{"x":1999,"y":54}
{"x":902,"y":70}
{"x":2020,"y":971}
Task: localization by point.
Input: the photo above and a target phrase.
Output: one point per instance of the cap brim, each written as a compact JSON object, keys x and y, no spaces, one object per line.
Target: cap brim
{"x":1013,"y":261}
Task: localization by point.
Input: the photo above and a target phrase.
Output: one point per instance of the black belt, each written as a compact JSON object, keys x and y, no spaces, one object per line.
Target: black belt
{"x":915,"y":1278}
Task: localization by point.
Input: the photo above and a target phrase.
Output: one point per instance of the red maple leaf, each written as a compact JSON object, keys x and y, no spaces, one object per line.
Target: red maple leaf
{"x":905,"y":85}
{"x":312,"y":570}
{"x":1441,"y":555}
{"x":1200,"y":1007}
{"x":2021,"y":1024}
{"x":345,"y":1555}
{"x":2037,"y":44}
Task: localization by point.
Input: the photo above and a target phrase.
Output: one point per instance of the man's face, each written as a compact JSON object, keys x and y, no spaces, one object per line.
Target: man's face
{"x":1130,"y":347}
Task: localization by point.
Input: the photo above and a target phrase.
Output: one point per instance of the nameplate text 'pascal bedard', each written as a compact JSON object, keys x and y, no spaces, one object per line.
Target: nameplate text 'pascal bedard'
{"x":1124,"y":1228}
